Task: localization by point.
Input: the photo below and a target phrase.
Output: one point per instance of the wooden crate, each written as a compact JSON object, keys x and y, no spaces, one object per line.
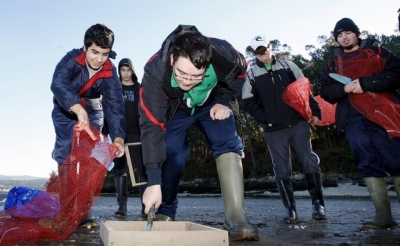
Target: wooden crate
{"x":118,"y":233}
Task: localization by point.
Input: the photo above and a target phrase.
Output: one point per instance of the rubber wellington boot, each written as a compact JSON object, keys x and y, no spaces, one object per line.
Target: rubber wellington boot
{"x":229,"y":167}
{"x":314,"y":186}
{"x":383,"y":212}
{"x":396,"y":184}
{"x":285,"y":189}
{"x":121,"y":190}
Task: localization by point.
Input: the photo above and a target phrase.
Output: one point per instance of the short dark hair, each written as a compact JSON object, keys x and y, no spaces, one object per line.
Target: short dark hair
{"x":194,"y":46}
{"x":261,"y":50}
{"x":100,"y":35}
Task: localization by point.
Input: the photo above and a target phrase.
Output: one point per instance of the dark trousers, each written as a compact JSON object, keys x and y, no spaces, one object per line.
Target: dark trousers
{"x":374,"y":152}
{"x":299,"y":137}
{"x":221,"y":136}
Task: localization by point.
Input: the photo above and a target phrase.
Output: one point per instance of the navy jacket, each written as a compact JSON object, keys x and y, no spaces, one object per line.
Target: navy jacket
{"x":70,"y":76}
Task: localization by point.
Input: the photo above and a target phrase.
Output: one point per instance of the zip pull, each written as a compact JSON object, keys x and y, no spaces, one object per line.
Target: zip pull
{"x":272,"y":76}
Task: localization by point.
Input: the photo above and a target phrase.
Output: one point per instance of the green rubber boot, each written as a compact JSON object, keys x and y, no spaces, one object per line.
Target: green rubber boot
{"x":383,"y":212}
{"x":229,"y":167}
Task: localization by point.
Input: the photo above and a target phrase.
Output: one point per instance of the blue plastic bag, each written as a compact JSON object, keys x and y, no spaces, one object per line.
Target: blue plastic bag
{"x":29,"y":203}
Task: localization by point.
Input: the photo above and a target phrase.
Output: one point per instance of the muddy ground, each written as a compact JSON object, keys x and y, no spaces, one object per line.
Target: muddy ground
{"x":347,"y":206}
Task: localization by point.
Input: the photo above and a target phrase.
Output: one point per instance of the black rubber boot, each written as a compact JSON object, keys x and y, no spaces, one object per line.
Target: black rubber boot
{"x":229,"y":167}
{"x":121,"y":190}
{"x":285,"y":189}
{"x":314,"y":185}
{"x":380,"y":197}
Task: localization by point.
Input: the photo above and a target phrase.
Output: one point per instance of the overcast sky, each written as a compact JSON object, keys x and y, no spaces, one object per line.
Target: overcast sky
{"x":35,"y":35}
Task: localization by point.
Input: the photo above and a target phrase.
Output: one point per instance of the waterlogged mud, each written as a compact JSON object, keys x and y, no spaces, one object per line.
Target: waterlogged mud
{"x":343,"y":227}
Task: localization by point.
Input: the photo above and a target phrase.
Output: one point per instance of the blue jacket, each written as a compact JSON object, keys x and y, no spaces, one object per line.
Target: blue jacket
{"x":103,"y":100}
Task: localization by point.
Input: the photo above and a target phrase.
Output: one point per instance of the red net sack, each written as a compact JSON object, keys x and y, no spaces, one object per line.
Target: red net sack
{"x":380,"y":108}
{"x":360,"y":63}
{"x":77,"y":185}
{"x":297,"y":95}
{"x":328,"y":111}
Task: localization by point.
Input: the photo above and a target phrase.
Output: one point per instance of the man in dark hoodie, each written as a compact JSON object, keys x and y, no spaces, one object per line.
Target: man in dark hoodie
{"x":372,"y":70}
{"x":193,"y":80}
{"x":130,"y":92}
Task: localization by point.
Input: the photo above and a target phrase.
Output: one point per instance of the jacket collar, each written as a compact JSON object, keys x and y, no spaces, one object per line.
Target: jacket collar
{"x":81,"y":60}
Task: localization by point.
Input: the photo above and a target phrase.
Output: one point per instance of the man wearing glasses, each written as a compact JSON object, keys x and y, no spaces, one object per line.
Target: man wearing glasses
{"x":193,"y":80}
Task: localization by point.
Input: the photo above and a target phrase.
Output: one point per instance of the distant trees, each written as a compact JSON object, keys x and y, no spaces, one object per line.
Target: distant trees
{"x":330,"y":145}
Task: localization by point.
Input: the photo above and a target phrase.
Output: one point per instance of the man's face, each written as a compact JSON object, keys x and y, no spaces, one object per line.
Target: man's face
{"x":186,"y":74}
{"x":96,"y":56}
{"x":265,"y":58}
{"x":348,"y":40}
{"x":126,"y":73}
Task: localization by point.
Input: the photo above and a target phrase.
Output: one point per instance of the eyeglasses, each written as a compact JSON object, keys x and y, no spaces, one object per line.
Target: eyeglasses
{"x":191,"y":80}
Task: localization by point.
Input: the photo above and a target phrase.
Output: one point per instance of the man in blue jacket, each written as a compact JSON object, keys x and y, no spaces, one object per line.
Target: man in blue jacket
{"x":87,"y":90}
{"x":193,"y":80}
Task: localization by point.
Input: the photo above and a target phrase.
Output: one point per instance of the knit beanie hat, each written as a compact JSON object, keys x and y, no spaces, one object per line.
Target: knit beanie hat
{"x":345,"y":24}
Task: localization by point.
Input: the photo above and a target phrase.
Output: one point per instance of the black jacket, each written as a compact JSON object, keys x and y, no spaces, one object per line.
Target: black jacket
{"x":262,"y":95}
{"x":387,"y":80}
{"x":160,"y":101}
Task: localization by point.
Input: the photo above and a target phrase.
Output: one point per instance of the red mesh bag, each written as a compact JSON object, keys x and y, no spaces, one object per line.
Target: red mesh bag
{"x":328,"y":111}
{"x":378,"y":107}
{"x":77,"y":185}
{"x":297,"y":95}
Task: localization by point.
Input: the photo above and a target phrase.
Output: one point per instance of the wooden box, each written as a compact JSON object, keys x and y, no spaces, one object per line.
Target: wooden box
{"x":164,"y":233}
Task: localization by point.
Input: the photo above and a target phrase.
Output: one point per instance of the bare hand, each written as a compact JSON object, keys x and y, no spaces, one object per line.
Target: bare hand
{"x":353,"y":87}
{"x":84,"y":126}
{"x":220,"y":112}
{"x":80,"y":113}
{"x":152,"y":196}
{"x":315,"y":120}
{"x":119,"y":142}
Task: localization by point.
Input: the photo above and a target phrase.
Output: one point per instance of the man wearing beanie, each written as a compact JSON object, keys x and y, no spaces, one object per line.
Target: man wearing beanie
{"x":283,"y":126}
{"x":373,"y":70}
